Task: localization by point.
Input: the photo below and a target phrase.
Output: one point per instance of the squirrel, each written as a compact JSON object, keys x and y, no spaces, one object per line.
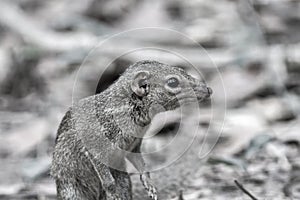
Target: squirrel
{"x":99,"y":132}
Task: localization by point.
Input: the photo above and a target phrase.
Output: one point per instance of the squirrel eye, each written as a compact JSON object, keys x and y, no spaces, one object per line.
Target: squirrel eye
{"x":173,"y":82}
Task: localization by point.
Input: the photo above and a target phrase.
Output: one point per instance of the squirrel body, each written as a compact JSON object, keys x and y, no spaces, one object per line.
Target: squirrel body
{"x":99,"y":132}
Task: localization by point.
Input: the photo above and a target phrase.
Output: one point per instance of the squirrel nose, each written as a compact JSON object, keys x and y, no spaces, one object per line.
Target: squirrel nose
{"x":209,"y":90}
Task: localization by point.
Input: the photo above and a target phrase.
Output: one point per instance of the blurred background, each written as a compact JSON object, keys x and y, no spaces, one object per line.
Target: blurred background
{"x":253,"y":67}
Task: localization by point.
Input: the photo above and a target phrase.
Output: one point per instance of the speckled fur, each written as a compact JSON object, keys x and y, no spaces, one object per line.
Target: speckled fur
{"x":94,"y":130}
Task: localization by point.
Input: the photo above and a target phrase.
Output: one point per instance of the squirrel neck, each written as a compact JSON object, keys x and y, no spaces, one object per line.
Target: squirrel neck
{"x":139,"y":112}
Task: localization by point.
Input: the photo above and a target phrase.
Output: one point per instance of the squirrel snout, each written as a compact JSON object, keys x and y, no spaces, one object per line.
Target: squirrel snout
{"x":209,"y":91}
{"x":203,"y":90}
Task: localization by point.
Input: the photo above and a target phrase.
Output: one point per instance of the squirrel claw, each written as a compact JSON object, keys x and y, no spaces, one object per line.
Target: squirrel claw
{"x":152,"y":192}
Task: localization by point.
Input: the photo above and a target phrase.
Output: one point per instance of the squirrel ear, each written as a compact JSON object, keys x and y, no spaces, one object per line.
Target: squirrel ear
{"x":140,"y":83}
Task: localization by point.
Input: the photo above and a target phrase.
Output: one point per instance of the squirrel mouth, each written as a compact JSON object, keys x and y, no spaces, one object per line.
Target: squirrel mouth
{"x":193,"y":99}
{"x":188,"y":99}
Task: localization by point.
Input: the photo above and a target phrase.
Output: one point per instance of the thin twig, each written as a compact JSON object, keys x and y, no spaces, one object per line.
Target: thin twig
{"x":241,"y":187}
{"x":180,"y":195}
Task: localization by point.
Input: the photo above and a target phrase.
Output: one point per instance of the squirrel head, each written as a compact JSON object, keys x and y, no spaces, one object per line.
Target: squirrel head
{"x":168,"y":86}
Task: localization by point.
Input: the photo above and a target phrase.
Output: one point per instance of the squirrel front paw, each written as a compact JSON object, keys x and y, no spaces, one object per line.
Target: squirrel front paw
{"x":150,"y":188}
